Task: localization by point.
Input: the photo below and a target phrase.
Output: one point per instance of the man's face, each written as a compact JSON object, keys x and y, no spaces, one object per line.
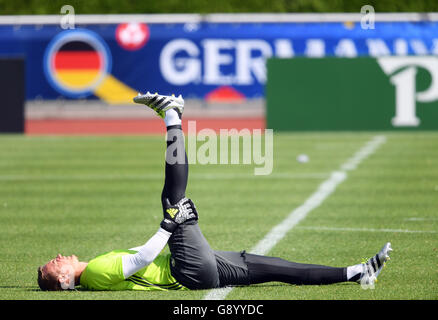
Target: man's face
{"x":60,"y":265}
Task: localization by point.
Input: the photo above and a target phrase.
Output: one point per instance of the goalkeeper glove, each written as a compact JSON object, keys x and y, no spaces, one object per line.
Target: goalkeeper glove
{"x":174,"y":215}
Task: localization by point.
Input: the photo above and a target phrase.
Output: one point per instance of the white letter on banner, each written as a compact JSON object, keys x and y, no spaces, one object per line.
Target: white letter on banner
{"x":245,"y":63}
{"x":419,"y":47}
{"x":377,"y":48}
{"x":404,"y":82}
{"x":180,"y":71}
{"x":284,"y":48}
{"x":405,"y":85}
{"x":213,"y":59}
{"x":400,"y":47}
{"x":346,"y":48}
{"x":315,"y":48}
{"x":435,"y":47}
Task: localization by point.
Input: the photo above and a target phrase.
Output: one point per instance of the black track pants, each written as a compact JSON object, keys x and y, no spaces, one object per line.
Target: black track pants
{"x":195,"y":265}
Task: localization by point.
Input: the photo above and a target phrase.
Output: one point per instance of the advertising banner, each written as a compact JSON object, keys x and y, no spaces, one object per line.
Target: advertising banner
{"x":383,"y":93}
{"x":199,"y":60}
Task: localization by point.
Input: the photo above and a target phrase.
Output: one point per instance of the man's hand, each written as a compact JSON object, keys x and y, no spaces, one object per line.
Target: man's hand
{"x":177,"y":214}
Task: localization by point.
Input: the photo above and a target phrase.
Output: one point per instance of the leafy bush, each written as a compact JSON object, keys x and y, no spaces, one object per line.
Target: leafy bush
{"x":8,"y":7}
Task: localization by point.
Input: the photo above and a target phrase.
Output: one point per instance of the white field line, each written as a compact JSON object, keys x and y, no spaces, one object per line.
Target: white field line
{"x":325,"y":189}
{"x":420,"y":219}
{"x":200,"y":176}
{"x":320,"y":228}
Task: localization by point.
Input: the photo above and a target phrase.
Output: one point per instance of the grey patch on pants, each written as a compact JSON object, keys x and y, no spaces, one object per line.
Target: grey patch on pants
{"x":193,"y":263}
{"x":196,"y":266}
{"x":232,"y":268}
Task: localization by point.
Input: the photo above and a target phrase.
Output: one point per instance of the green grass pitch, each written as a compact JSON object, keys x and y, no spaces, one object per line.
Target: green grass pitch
{"x":89,"y":195}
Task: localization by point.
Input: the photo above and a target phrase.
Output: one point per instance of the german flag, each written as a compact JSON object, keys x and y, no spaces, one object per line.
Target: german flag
{"x":80,"y":66}
{"x":77,"y":65}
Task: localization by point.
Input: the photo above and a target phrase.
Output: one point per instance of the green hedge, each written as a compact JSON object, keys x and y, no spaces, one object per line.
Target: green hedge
{"x":11,"y":7}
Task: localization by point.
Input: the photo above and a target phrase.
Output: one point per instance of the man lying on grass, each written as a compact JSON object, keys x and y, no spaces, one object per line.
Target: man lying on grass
{"x":192,"y":263}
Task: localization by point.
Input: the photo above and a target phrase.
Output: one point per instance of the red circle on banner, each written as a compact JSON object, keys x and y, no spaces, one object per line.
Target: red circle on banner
{"x":132,"y":36}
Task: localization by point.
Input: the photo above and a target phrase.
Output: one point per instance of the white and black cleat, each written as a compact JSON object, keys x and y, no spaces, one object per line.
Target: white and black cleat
{"x":160,"y":103}
{"x":372,"y":267}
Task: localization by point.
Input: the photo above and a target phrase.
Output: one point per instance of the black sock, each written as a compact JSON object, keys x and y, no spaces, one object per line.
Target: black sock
{"x":176,"y":171}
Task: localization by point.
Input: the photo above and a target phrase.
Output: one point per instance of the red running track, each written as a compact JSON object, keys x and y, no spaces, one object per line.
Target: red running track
{"x":132,"y":126}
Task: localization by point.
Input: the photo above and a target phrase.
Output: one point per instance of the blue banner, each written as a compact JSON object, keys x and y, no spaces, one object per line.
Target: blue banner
{"x":198,"y":60}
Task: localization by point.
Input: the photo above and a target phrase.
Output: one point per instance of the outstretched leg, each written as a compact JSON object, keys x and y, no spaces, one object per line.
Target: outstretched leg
{"x":245,"y":269}
{"x":241,"y":268}
{"x":193,"y":262}
{"x":266,"y":269}
{"x":176,"y":167}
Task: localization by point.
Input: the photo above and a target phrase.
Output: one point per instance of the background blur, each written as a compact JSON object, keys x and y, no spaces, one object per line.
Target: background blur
{"x":85,"y":60}
{"x":225,"y":6}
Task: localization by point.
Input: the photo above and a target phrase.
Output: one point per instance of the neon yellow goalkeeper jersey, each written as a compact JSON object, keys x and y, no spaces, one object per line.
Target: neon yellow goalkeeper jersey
{"x":105,"y":272}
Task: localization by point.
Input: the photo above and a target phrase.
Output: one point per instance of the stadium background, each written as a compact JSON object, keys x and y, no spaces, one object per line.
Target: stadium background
{"x":78,"y":84}
{"x":80,"y":76}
